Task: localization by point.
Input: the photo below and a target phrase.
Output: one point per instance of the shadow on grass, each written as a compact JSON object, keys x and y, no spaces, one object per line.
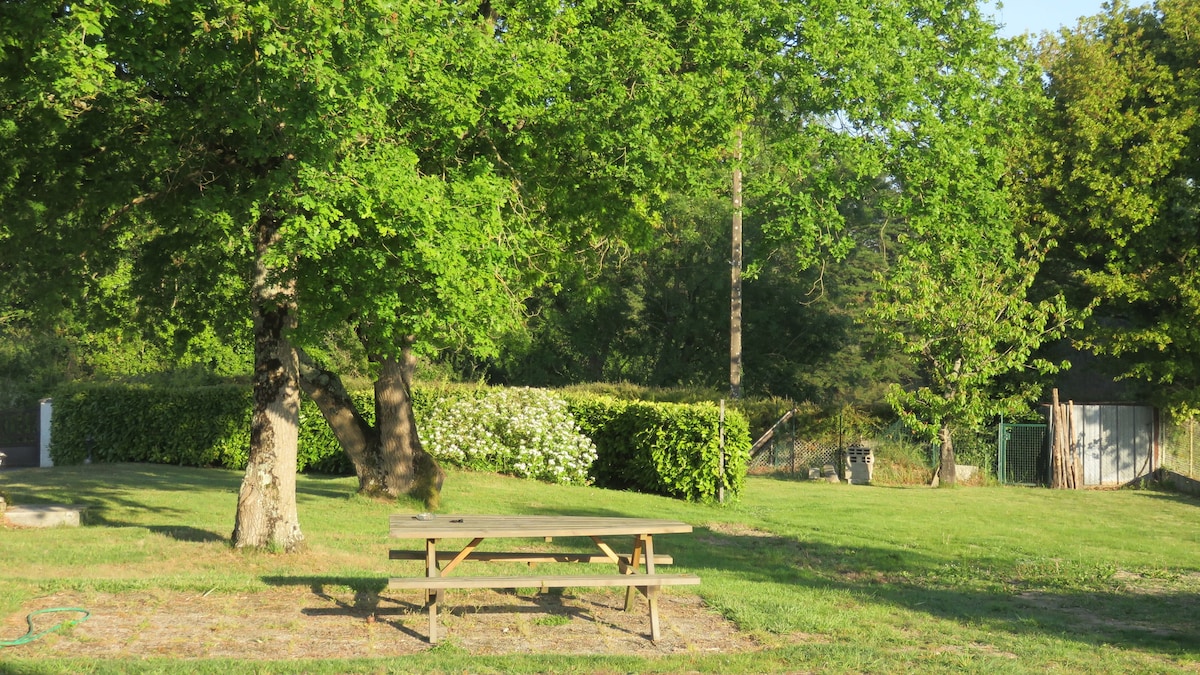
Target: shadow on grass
{"x":1072,"y":602}
{"x":320,"y":583}
{"x":103,"y":486}
{"x":186,"y":533}
{"x":367,"y":603}
{"x":1166,"y":494}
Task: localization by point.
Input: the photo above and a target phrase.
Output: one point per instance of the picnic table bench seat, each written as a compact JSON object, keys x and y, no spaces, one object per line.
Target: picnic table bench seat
{"x":544,"y":581}
{"x":521,"y":557}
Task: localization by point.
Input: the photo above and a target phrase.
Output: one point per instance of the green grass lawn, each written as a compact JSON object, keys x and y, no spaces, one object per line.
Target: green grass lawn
{"x":831,"y":578}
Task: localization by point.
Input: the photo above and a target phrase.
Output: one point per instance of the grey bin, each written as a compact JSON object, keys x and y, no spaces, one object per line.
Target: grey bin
{"x":862,"y":463}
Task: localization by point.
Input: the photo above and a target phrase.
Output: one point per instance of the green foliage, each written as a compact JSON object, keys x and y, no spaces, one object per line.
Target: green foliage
{"x":527,"y":433}
{"x":205,"y":426}
{"x":662,"y":448}
{"x":958,"y":299}
{"x":199,"y":426}
{"x":1117,"y":174}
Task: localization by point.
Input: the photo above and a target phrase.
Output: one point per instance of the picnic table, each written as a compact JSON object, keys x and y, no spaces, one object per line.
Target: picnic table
{"x":634,"y":570}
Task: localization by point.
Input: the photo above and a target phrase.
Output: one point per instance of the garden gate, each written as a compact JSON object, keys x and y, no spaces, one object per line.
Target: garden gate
{"x":19,"y":437}
{"x":1024,"y":454}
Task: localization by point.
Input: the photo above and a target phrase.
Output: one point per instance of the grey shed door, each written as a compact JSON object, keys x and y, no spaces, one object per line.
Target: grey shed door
{"x":1117,"y":442}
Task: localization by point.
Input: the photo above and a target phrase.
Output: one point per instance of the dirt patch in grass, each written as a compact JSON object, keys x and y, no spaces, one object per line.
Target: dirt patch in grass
{"x":303,"y":623}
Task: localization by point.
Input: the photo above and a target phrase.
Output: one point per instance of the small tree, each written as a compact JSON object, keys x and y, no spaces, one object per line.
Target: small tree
{"x":958,"y":299}
{"x":966,"y":318}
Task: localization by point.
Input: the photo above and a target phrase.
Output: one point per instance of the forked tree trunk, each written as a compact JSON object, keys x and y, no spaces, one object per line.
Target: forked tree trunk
{"x":947,"y":468}
{"x":388,"y":458}
{"x":266,"y":510}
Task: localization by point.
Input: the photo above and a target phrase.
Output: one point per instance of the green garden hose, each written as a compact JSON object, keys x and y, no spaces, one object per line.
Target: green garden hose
{"x":30,"y":636}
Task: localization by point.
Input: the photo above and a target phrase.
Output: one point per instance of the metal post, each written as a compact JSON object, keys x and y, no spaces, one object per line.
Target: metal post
{"x":1000,"y":449}
{"x":721,"y":463}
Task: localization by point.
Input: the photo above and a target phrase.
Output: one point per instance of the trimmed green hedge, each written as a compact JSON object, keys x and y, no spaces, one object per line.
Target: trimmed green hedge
{"x":192,"y":426}
{"x":664,"y":448}
{"x":660,"y":448}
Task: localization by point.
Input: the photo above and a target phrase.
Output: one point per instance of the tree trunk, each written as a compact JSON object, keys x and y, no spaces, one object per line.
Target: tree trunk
{"x":357,"y":437}
{"x":388,"y":457}
{"x":408,"y":468}
{"x":266,"y":510}
{"x":735,"y":278}
{"x":947,"y":468}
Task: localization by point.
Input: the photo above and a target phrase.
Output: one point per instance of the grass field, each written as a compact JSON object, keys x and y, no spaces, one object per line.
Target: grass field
{"x":821,"y":578}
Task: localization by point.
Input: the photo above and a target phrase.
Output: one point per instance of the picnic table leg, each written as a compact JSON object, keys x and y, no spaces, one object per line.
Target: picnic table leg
{"x":651,"y":591}
{"x":652,"y":596}
{"x":432,"y":597}
{"x":633,"y":569}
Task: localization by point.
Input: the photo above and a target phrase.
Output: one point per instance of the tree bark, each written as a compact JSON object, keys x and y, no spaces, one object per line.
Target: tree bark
{"x":408,"y":468}
{"x":947,"y":467}
{"x":388,"y":458}
{"x":358,"y":438}
{"x":735,"y":278}
{"x":266,"y":509}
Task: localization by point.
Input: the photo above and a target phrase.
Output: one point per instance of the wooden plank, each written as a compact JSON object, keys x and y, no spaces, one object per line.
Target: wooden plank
{"x":635,"y":560}
{"x":612,"y":555}
{"x":462,"y":555}
{"x":467,"y":526}
{"x":532,"y":557}
{"x":1125,"y":446}
{"x":544,"y":581}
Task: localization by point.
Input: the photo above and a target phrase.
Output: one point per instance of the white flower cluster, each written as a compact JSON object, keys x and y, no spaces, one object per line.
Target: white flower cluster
{"x":528,"y":433}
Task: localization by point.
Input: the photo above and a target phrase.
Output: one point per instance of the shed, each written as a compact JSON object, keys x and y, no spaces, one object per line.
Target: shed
{"x":1116,"y":443}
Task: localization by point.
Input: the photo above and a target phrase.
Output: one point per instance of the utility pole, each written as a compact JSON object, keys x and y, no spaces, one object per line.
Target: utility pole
{"x":735,"y":276}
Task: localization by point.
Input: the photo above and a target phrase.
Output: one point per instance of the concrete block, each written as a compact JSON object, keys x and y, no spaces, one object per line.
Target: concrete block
{"x":862,"y":464}
{"x":44,"y":515}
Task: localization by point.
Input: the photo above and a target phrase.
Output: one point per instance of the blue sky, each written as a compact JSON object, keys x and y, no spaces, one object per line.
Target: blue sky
{"x":1037,"y":16}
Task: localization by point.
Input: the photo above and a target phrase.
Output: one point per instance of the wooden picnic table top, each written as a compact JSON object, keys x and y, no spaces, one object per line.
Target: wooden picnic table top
{"x":468,"y":526}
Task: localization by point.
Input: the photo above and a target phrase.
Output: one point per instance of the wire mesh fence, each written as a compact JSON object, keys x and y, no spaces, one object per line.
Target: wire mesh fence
{"x":1023,"y":454}
{"x":1179,"y":451}
{"x":792,"y":455}
{"x":790,"y":448}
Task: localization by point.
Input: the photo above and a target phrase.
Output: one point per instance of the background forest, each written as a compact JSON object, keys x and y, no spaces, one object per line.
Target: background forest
{"x":938,"y":223}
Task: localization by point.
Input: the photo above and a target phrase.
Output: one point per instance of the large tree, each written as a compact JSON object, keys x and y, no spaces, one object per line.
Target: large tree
{"x":836,"y":118}
{"x":409,"y":169}
{"x":1122,"y":148}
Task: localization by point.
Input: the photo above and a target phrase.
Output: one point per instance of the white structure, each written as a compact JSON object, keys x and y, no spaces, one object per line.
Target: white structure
{"x":45,"y":409}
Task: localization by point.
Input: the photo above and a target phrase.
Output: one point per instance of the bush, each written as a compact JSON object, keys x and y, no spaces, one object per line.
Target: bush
{"x":528,"y":433}
{"x":663,"y":448}
{"x":193,"y":426}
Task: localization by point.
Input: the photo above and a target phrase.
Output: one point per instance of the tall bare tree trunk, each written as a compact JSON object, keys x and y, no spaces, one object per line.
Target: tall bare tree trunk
{"x":735,"y":276}
{"x":408,"y":468}
{"x":947,"y":468}
{"x":266,"y":510}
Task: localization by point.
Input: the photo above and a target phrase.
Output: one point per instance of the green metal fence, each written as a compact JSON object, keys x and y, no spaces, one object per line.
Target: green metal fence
{"x":1180,"y":453}
{"x":1024,"y":454}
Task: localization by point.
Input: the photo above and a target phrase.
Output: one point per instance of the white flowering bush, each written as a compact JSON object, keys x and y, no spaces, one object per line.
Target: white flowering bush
{"x":528,"y":433}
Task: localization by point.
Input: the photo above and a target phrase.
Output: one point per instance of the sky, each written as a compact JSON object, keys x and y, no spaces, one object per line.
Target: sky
{"x":1037,"y":16}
